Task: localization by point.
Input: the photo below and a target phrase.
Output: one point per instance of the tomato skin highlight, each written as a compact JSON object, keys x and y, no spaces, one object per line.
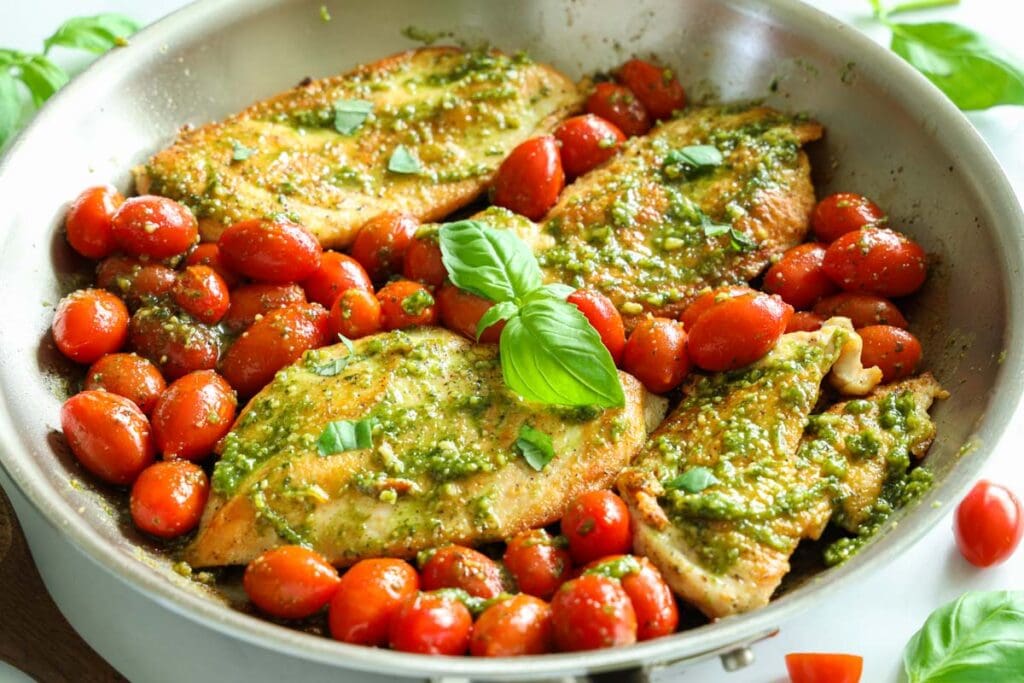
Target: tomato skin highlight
{"x":128,"y":375}
{"x":89,"y":221}
{"x":175,"y":344}
{"x":249,"y":302}
{"x":737,"y":331}
{"x":88,"y":324}
{"x":405,"y":304}
{"x":355,"y":314}
{"x":278,"y":251}
{"x":194,"y":413}
{"x":202,"y":293}
{"x":530,"y":179}
{"x":655,"y":86}
{"x":538,"y":562}
{"x":208,"y":254}
{"x":894,"y":350}
{"x":597,"y":524}
{"x":804,"y":321}
{"x":652,"y":599}
{"x":818,"y":667}
{"x":617,"y":104}
{"x":168,"y":498}
{"x":799,"y":278}
{"x":587,"y":141}
{"x":989,"y":524}
{"x":431,"y":624}
{"x":337,"y":274}
{"x":154,"y":226}
{"x":368,"y":596}
{"x":655,"y":354}
{"x":108,"y":434}
{"x":602,"y":315}
{"x":456,"y":566}
{"x":592,"y":612}
{"x":843,"y":212}
{"x":381,"y":243}
{"x":460,"y":312}
{"x":290,"y":582}
{"x":518,"y":626}
{"x":423,"y":262}
{"x":876,"y":261}
{"x":135,"y":281}
{"x":862,"y":310}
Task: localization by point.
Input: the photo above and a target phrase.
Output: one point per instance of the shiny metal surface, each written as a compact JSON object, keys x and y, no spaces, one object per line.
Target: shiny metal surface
{"x":891,"y":135}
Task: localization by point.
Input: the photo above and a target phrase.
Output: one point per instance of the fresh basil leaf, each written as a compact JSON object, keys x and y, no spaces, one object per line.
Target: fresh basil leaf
{"x":551,"y":354}
{"x":240,"y":152}
{"x":10,"y":106}
{"x":715,"y":229}
{"x":403,"y":161}
{"x":977,"y":638}
{"x":348,"y":344}
{"x":693,"y":480}
{"x":691,"y":160}
{"x":973,"y":72}
{"x":96,"y":34}
{"x":496,"y":313}
{"x":556,"y":290}
{"x":42,"y":77}
{"x":740,"y":241}
{"x":330,"y":368}
{"x":349,"y":115}
{"x":535,"y":446}
{"x":491,"y":263}
{"x":346,"y":435}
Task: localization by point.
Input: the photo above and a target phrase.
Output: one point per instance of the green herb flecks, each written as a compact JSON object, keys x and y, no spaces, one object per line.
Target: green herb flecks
{"x":240,"y":152}
{"x":403,"y":161}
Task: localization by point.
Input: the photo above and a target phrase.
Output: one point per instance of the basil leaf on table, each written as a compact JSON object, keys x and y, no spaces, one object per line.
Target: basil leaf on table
{"x":494,"y":264}
{"x":535,"y":446}
{"x":96,"y":34}
{"x":977,"y":638}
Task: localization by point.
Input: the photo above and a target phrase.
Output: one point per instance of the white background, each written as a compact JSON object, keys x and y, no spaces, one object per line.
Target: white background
{"x":876,"y":616}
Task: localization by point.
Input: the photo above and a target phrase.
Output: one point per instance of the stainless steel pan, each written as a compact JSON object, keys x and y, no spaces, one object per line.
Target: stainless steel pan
{"x":891,"y":135}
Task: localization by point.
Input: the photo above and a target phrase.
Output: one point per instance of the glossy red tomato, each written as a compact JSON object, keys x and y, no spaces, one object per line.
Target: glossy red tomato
{"x":587,"y":142}
{"x":431,"y":624}
{"x":249,"y":302}
{"x":154,"y":226}
{"x":819,"y":667}
{"x":193,"y":414}
{"x":989,"y":524}
{"x":708,"y":299}
{"x":168,"y":498}
{"x":861,"y":309}
{"x":894,"y":350}
{"x":737,"y":331}
{"x":798,"y":277}
{"x":176,"y":344}
{"x":274,"y":251}
{"x":108,"y":434}
{"x":843,"y":212}
{"x":652,"y":600}
{"x":603,"y":317}
{"x":456,"y":566}
{"x":89,"y":222}
{"x":208,"y":254}
{"x":136,"y":282}
{"x":355,"y":314}
{"x":518,"y":626}
{"x":338,"y":273}
{"x":596,"y":524}
{"x":530,"y":179}
{"x":876,"y":261}
{"x":367,"y":598}
{"x":656,"y":354}
{"x":618,"y":105}
{"x":804,"y":321}
{"x":404,"y":304}
{"x":202,"y":293}
{"x":592,"y":612}
{"x":460,"y":312}
{"x":272,"y":342}
{"x":381,"y":243}
{"x":423,"y":262}
{"x":290,"y":582}
{"x":655,"y":86}
{"x":88,"y":324}
{"x":538,"y":562}
{"x":128,"y":375}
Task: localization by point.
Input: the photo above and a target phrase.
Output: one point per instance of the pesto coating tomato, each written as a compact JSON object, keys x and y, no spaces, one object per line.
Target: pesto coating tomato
{"x":208,"y":254}
{"x":88,"y":324}
{"x":89,"y":221}
{"x":460,"y":312}
{"x":530,"y":179}
{"x":587,"y":141}
{"x":737,"y":331}
{"x":617,"y":104}
{"x":820,"y":667}
{"x":137,"y":282}
{"x":892,"y":349}
{"x":652,"y":599}
{"x":173,"y":341}
{"x":843,"y":212}
{"x":592,"y":612}
{"x":989,"y":524}
{"x":431,"y":624}
{"x":381,"y":243}
{"x":655,"y":354}
{"x":597,"y":524}
{"x":368,"y":596}
{"x":456,"y":566}
{"x":861,"y":309}
{"x":538,"y":563}
{"x":876,"y":261}
{"x":518,"y":626}
{"x":655,"y":86}
{"x":108,"y":435}
{"x":404,"y":304}
{"x":798,"y":277}
{"x":129,"y":375}
{"x":355,"y":314}
{"x":168,"y":498}
{"x":153,"y":226}
{"x":275,"y":251}
{"x":194,"y":413}
{"x":202,"y":293}
{"x":337,"y":274}
{"x":602,"y":315}
{"x":252,"y":301}
{"x":423,"y":262}
{"x":290,"y":582}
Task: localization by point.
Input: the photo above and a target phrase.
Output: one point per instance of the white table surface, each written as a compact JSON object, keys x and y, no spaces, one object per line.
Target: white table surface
{"x":877,"y":615}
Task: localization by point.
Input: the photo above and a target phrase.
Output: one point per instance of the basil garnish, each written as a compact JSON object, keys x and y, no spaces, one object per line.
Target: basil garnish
{"x":349,"y":115}
{"x":494,"y":264}
{"x":693,"y":480}
{"x":240,"y":152}
{"x":403,"y":161}
{"x":346,"y":435}
{"x":535,"y":446}
{"x":691,"y":160}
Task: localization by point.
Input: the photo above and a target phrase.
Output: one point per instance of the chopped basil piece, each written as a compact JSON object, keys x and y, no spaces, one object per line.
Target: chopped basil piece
{"x":346,"y":435}
{"x":693,"y":480}
{"x":535,"y":446}
{"x":739,"y":241}
{"x":349,"y":115}
{"x":403,"y":161}
{"x":691,"y":160}
{"x":240,"y":152}
{"x":331,"y":367}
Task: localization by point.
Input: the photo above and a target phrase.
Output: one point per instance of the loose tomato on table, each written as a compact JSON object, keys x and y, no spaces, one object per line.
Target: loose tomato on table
{"x":456,"y":566}
{"x":518,"y":626}
{"x":592,"y":612}
{"x":431,"y":624}
{"x":819,"y":667}
{"x":862,"y":310}
{"x":892,"y":349}
{"x":587,"y":142}
{"x":655,"y":86}
{"x":194,"y":413}
{"x":538,"y":563}
{"x":208,"y":254}
{"x":603,"y":317}
{"x":404,"y":304}
{"x":129,"y":375}
{"x":798,"y":277}
{"x":652,"y":600}
{"x":368,"y":596}
{"x":423,"y":262}
{"x":202,"y":293}
{"x":290,"y":582}
{"x":88,"y":324}
{"x":167,"y":499}
{"x":177,"y":344}
{"x":530,"y":179}
{"x":989,"y":524}
{"x":804,"y":321}
{"x":251,"y":301}
{"x":89,"y":221}
{"x":843,"y":212}
{"x":274,"y":251}
{"x":108,"y":434}
{"x":596,"y":524}
{"x":460,"y":312}
{"x":153,"y":226}
{"x":135,"y":281}
{"x":355,"y":314}
{"x":737,"y":331}
{"x":617,"y":104}
{"x":876,"y":261}
{"x":655,"y":354}
{"x":337,"y":274}
{"x":381,"y":243}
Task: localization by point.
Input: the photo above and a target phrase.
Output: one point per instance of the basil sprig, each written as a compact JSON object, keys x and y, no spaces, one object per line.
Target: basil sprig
{"x":549,"y":352}
{"x":977,"y":638}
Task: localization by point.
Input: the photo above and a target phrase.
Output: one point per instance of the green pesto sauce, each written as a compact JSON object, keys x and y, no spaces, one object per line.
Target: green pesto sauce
{"x":417,"y":302}
{"x":618,"y":568}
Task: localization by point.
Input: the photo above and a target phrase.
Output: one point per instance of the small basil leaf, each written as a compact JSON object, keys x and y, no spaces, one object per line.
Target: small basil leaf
{"x":42,"y":78}
{"x":693,"y":480}
{"x":349,"y":115}
{"x":240,"y":152}
{"x":348,"y":344}
{"x":535,"y":446}
{"x":346,"y":435}
{"x":95,"y":34}
{"x":403,"y":161}
{"x":551,"y":354}
{"x":496,"y":313}
{"x":491,"y":263}
{"x":715,"y":229}
{"x":10,"y":106}
{"x":330,"y":368}
{"x":740,"y":241}
{"x":691,"y":160}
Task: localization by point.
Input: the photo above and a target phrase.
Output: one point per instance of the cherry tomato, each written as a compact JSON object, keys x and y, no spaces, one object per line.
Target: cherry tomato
{"x":168,"y":498}
{"x":89,"y":223}
{"x":431,"y":624}
{"x":128,"y":375}
{"x":108,"y":434}
{"x":518,"y":626}
{"x":136,"y":282}
{"x":208,"y":254}
{"x":202,"y":293}
{"x":989,"y":524}
{"x":175,"y":343}
{"x":367,"y":598}
{"x":274,"y":251}
{"x":656,"y":611}
{"x":272,"y":342}
{"x":819,"y":667}
{"x":423,"y":262}
{"x":531,"y":178}
{"x":861,"y":309}
{"x":737,"y":331}
{"x":460,"y":312}
{"x":355,"y":314}
{"x":252,"y":301}
{"x":709,"y":298}
{"x":538,"y":562}
{"x":154,"y":226}
{"x":290,"y":582}
{"x":603,"y":317}
{"x":804,"y":321}
{"x":404,"y":304}
{"x":618,"y":105}
{"x":876,"y":261}
{"x":337,"y":274}
{"x":798,"y":277}
{"x":455,"y":566}
{"x":656,"y":354}
{"x":843,"y":212}
{"x":656,"y":87}
{"x":894,"y":350}
{"x":596,"y":524}
{"x":587,"y":142}
{"x":592,"y":612}
{"x":193,"y":414}
{"x":381,"y":243}
{"x":88,"y":324}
